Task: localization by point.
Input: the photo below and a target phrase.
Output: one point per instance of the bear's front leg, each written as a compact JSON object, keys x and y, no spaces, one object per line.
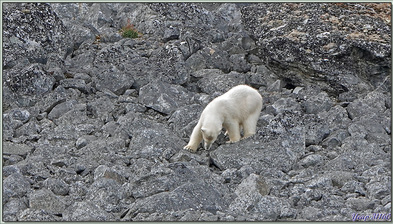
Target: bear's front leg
{"x":195,"y":139}
{"x":190,"y":148}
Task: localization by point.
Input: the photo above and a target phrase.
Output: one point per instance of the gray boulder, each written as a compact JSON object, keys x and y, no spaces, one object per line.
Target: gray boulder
{"x":15,"y":185}
{"x":278,"y":145}
{"x":285,"y":42}
{"x":86,"y":211}
{"x":215,"y":81}
{"x":31,"y":32}
{"x":46,"y":200}
{"x":163,"y":97}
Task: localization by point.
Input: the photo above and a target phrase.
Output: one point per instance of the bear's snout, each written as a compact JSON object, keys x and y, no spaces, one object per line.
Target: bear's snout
{"x":207,"y":145}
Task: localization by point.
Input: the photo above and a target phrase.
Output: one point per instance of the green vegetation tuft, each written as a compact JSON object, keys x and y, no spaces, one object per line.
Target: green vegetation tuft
{"x":129,"y":31}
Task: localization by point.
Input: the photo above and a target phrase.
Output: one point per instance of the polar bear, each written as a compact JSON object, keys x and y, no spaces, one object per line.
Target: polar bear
{"x":238,"y":108}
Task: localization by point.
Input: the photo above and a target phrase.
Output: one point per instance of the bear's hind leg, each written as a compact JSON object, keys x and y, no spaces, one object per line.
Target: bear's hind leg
{"x":233,"y":131}
{"x":250,"y":125}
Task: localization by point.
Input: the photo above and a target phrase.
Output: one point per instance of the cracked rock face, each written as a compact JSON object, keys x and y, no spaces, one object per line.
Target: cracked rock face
{"x":94,"y":124}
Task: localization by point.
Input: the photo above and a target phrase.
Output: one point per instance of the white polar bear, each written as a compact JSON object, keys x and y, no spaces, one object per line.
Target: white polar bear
{"x":238,"y":108}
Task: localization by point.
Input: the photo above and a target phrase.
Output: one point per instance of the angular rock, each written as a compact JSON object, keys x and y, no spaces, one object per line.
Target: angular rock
{"x":107,"y":194}
{"x":316,"y":132}
{"x":29,"y":80}
{"x":340,"y":178}
{"x":261,"y":76}
{"x":360,"y":204}
{"x":49,"y":101}
{"x":155,"y":143}
{"x":239,"y":63}
{"x":249,"y":192}
{"x":102,"y":152}
{"x":335,"y":139}
{"x":336,"y":118}
{"x":268,"y":208}
{"x":181,"y":198}
{"x":15,"y":185}
{"x":86,"y":211}
{"x":46,"y":200}
{"x":163,"y":97}
{"x":112,"y":79}
{"x":285,"y":104}
{"x":310,"y":213}
{"x":29,"y":215}
{"x":13,"y":208}
{"x":275,"y":87}
{"x":318,"y":103}
{"x":10,"y":148}
{"x":78,"y":84}
{"x":219,"y":82}
{"x":182,"y":120}
{"x":61,"y":109}
{"x":286,"y":42}
{"x":80,"y":143}
{"x":379,"y":190}
{"x":354,"y":187}
{"x":19,"y":115}
{"x":31,"y":32}
{"x":57,"y":186}
{"x":29,"y":130}
{"x":374,"y":102}
{"x":171,"y":33}
{"x":321,"y":182}
{"x":102,"y":107}
{"x":103,"y":171}
{"x":311,"y":160}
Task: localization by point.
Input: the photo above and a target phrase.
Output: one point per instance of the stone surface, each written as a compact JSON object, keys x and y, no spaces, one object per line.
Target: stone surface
{"x":163,"y":97}
{"x":94,"y":124}
{"x":15,"y":185}
{"x":46,"y":200}
{"x":16,"y":149}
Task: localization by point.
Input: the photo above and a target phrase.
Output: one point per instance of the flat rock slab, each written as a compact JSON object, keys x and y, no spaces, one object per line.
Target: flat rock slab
{"x":164,"y":97}
{"x":257,"y":155}
{"x":279,"y":146}
{"x":10,"y":148}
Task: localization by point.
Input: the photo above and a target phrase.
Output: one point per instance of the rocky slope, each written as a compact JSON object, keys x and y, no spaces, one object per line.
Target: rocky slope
{"x":94,"y":123}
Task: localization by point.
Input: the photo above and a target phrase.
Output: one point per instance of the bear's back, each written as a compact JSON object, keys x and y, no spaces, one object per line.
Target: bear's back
{"x":242,"y":92}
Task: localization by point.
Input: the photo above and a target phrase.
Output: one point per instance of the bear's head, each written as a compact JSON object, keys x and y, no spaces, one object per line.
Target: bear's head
{"x":209,"y":135}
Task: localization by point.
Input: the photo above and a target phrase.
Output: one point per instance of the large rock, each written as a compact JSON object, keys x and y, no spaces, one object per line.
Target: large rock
{"x":112,"y":79}
{"x":286,"y":37}
{"x":164,"y":97}
{"x":12,"y":208}
{"x":179,"y":190}
{"x":31,"y":32}
{"x":15,"y":185}
{"x":29,"y":80}
{"x":86,"y":211}
{"x":183,"y":120}
{"x":10,"y":148}
{"x":213,"y":80}
{"x":107,"y":194}
{"x":182,"y":198}
{"x":46,"y":200}
{"x":279,"y":145}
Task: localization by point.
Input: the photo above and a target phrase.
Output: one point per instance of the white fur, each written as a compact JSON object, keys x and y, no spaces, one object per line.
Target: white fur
{"x":237,"y":109}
